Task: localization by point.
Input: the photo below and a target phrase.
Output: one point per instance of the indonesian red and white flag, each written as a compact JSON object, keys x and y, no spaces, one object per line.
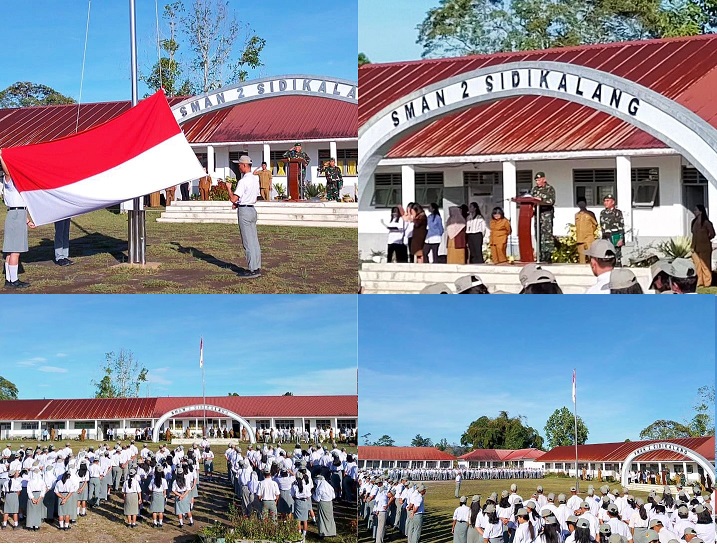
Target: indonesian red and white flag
{"x":137,"y":153}
{"x":573,"y":386}
{"x":201,"y":352}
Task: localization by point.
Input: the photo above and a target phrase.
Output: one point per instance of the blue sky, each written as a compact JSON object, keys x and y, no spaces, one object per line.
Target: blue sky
{"x":431,"y":365}
{"x":397,"y":19}
{"x":47,"y":42}
{"x":53,"y":346}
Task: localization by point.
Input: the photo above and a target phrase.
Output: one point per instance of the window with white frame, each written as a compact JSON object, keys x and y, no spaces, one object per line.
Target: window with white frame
{"x":429,"y":188}
{"x":55,"y":424}
{"x":346,"y":423}
{"x":593,"y":185}
{"x":346,"y":159}
{"x":386,"y":190}
{"x":29,"y":425}
{"x":323,"y":423}
{"x":692,"y":176}
{"x":284,"y":423}
{"x":645,"y":187}
{"x":90,"y":425}
{"x":263,"y":423}
{"x":402,"y":464}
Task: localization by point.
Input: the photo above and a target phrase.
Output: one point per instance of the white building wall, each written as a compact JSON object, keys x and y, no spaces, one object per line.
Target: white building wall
{"x":669,"y":219}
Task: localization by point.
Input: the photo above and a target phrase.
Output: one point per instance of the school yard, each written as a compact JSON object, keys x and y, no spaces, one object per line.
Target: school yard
{"x":440,"y":503}
{"x":106,"y":523}
{"x":192,"y":258}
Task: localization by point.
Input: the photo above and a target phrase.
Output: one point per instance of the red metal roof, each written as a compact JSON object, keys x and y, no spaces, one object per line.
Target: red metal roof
{"x":618,"y":451}
{"x":154,"y":408}
{"x":275,"y":118}
{"x":502,"y":455}
{"x":401,"y":453}
{"x":683,"y":69}
{"x":278,"y":118}
{"x":267,"y":406}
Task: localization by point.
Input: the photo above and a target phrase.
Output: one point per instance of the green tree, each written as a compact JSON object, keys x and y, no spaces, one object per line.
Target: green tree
{"x":463,"y":27}
{"x":703,"y":422}
{"x":366,"y":439}
{"x":418,"y":441}
{"x":24,"y":94}
{"x":363,"y":59}
{"x":664,"y":429}
{"x":288,"y":394}
{"x":233,"y":395}
{"x":167,"y":71}
{"x":501,"y":432}
{"x":212,"y":33}
{"x":122,"y":378}
{"x":560,"y":429}
{"x":8,"y":390}
{"x":385,"y":440}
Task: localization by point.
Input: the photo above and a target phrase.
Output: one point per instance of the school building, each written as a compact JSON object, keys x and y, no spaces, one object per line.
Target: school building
{"x":261,"y":118}
{"x":498,"y":458}
{"x":608,"y":460}
{"x":21,"y":419}
{"x":403,"y":457}
{"x":637,"y":120}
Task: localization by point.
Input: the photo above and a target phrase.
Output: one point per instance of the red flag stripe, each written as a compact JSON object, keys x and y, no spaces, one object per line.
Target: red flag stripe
{"x":61,"y":162}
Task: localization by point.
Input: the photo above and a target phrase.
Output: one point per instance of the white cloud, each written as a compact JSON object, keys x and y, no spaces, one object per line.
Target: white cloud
{"x":52,"y":369}
{"x":60,"y":354}
{"x":157,"y":376}
{"x":31,"y":362}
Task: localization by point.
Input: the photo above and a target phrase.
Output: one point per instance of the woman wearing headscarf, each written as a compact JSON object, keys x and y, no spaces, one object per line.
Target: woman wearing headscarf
{"x":74,"y":482}
{"x":49,"y":500}
{"x":158,"y":488}
{"x":476,"y":232}
{"x":456,"y":234}
{"x":285,"y":506}
{"x":132,"y":498}
{"x":35,"y":494}
{"x":324,"y":496}
{"x":500,"y":230}
{"x":702,"y":233}
{"x":420,"y":230}
{"x":301,"y":493}
{"x":83,"y":476}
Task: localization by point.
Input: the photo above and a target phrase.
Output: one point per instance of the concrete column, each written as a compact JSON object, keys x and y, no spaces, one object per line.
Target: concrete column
{"x":271,"y":423}
{"x":332,"y":151}
{"x":510,"y":190}
{"x":210,"y":160}
{"x":623,"y":166}
{"x":408,"y":185}
{"x":266,"y":156}
{"x":711,"y":203}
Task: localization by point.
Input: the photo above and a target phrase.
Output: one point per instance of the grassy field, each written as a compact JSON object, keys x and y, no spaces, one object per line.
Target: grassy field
{"x":105,"y":523}
{"x":193,"y":258}
{"x":440,"y":503}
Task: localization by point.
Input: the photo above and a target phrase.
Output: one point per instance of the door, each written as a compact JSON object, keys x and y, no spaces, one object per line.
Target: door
{"x":692,"y":195}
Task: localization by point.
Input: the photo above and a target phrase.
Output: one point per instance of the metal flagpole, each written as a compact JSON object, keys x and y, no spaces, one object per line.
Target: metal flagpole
{"x":135,"y":223}
{"x":204,"y":398}
{"x":575,"y":414}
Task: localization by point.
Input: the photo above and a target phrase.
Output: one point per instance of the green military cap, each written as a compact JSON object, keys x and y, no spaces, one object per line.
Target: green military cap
{"x":332,"y":159}
{"x":540,"y":175}
{"x":608,"y":196}
{"x":297,"y":144}
{"x":621,"y":278}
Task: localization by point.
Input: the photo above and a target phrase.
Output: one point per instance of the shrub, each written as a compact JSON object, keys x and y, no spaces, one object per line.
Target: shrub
{"x":674,"y":248}
{"x":312,"y":190}
{"x":566,"y":247}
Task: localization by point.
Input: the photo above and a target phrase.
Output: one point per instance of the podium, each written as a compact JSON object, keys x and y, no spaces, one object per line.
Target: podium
{"x":526,"y":210}
{"x":294,"y":182}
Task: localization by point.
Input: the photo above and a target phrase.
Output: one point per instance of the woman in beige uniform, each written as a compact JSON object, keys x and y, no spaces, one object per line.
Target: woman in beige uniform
{"x":702,"y":233}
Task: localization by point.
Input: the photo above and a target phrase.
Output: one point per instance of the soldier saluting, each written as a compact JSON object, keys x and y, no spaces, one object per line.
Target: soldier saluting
{"x":612,"y":226}
{"x":334,"y":181}
{"x":546,"y":193}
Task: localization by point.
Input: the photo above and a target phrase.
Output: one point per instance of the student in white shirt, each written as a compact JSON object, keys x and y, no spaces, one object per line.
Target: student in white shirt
{"x":247,"y":193}
{"x":492,"y":528}
{"x":63,"y":490}
{"x":35,"y":495}
{"x":180,"y":490}
{"x":602,"y":261}
{"x":268,"y":494}
{"x":132,"y":498}
{"x":301,"y":492}
{"x":158,"y":488}
{"x":396,"y":237}
{"x":476,"y":233}
{"x":461,"y":518}
{"x":324,"y":495}
{"x":83,"y":490}
{"x":208,"y":457}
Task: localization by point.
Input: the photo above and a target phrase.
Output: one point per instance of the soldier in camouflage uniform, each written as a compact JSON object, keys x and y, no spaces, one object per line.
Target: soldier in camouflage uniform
{"x":546,"y":193}
{"x":612,"y":225}
{"x":296,"y":153}
{"x":334,"y":181}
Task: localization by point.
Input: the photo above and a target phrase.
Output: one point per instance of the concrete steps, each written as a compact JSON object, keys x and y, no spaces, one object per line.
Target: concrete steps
{"x":304,"y":214}
{"x":650,"y":487}
{"x":384,"y":278}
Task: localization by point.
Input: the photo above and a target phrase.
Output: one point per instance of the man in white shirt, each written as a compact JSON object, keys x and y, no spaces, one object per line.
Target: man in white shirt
{"x":584,"y":513}
{"x":268,"y":494}
{"x":663,"y":534}
{"x":602,"y":256}
{"x":247,"y":193}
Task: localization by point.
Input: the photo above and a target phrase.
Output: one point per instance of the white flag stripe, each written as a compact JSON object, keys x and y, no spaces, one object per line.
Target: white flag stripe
{"x":141,"y":175}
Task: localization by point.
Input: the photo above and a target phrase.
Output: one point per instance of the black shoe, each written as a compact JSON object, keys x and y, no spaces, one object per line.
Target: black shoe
{"x":249,"y":274}
{"x":17,"y":284}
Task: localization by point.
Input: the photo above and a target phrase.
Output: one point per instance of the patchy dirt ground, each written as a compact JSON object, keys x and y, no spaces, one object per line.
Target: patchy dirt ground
{"x":192,"y":258}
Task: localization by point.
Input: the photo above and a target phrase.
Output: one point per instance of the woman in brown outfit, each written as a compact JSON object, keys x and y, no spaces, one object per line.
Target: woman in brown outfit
{"x":420,"y":230}
{"x":456,"y":233}
{"x":702,"y":233}
{"x":500,"y":229}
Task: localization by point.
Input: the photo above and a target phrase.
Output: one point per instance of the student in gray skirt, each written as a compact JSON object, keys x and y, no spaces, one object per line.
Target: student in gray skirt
{"x":132,"y":498}
{"x":84,"y":491}
{"x":49,"y":501}
{"x":63,"y":490}
{"x":181,"y":491}
{"x":15,"y":239}
{"x":158,"y":488}
{"x":301,"y":492}
{"x":12,"y":500}
{"x":35,"y":494}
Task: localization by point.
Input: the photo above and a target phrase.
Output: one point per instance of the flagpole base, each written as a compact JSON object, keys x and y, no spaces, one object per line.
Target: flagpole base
{"x":147,"y":265}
